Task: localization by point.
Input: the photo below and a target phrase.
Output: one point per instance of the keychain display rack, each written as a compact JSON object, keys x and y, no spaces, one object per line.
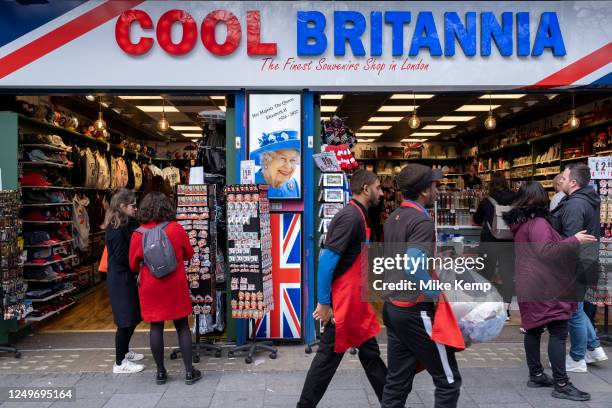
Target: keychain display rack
{"x":13,"y":289}
{"x":249,"y":259}
{"x":196,"y":214}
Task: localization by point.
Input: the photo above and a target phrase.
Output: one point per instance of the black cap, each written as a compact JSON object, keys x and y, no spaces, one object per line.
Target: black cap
{"x":415,"y":178}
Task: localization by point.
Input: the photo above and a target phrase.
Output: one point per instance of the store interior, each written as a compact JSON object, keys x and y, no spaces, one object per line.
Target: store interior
{"x":69,"y":166}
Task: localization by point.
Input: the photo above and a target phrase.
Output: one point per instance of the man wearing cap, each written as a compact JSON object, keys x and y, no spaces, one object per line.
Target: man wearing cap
{"x":422,"y":329}
{"x":348,"y":321}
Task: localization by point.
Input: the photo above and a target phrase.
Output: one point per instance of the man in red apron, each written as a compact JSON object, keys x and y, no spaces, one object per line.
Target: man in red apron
{"x":348,"y":321}
{"x":421,"y":327}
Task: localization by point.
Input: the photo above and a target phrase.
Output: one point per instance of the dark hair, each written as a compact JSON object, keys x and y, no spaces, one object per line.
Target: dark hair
{"x":532,"y":194}
{"x":362,"y":178}
{"x":498,"y":182}
{"x":580,"y":172}
{"x":158,"y":183}
{"x":157,"y":207}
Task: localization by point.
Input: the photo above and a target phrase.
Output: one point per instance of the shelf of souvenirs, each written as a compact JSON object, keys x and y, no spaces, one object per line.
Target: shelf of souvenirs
{"x":45,"y":164}
{"x":412,"y":159}
{"x":459,"y":227}
{"x":79,"y":136}
{"x":46,"y":147}
{"x":559,"y":133}
{"x":59,"y":243}
{"x":52,"y":313}
{"x":55,"y":295}
{"x":48,"y":222}
{"x":50,"y":262}
{"x":55,"y":279}
{"x":47,"y":187}
{"x":65,"y":203}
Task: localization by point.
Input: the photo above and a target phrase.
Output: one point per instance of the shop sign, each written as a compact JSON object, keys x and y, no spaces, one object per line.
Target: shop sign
{"x":319,"y":45}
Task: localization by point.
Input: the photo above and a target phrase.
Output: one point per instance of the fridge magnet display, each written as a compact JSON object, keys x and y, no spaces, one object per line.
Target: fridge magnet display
{"x":333,"y":195}
{"x":333,"y":179}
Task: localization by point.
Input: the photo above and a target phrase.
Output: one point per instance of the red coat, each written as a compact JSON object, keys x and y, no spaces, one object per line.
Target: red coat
{"x":166,"y":298}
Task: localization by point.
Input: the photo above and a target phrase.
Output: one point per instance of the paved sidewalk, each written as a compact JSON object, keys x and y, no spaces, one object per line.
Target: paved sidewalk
{"x":494,"y":375}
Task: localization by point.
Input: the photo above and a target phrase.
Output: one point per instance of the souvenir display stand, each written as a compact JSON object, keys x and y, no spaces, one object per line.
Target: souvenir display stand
{"x":249,"y":260}
{"x":196,"y":214}
{"x":13,"y":288}
{"x":600,"y":293}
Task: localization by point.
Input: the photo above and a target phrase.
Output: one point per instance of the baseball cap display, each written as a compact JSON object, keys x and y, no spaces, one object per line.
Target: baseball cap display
{"x":38,"y":155}
{"x":34,"y":179}
{"x":38,"y":238}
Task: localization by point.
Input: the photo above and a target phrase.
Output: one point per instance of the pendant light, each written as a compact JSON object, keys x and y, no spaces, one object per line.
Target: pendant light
{"x":100,"y":124}
{"x":414,"y":122}
{"x":163,"y":125}
{"x":574,"y":122}
{"x":490,"y":121}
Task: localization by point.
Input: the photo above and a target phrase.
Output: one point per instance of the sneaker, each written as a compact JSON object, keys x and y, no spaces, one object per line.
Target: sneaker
{"x":568,"y":391}
{"x":127,"y":367}
{"x":193,"y":376}
{"x":573,"y":366}
{"x":133,"y":356}
{"x":538,"y":381}
{"x":594,"y":356}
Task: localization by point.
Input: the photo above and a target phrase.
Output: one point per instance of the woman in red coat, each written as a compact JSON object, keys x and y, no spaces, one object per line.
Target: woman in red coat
{"x":165,"y":298}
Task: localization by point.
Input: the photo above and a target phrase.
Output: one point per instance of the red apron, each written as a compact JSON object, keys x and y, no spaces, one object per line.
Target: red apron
{"x":445,"y":328}
{"x":355,"y":320}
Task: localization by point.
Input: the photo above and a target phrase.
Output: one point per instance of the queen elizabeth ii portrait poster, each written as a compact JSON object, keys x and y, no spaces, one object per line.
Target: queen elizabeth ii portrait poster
{"x":275,"y":122}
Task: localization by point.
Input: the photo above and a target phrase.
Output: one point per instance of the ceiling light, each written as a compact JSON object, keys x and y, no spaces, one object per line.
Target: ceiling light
{"x":411,"y":96}
{"x":414,"y":140}
{"x":385,"y":118}
{"x":104,"y":104}
{"x":429,"y":134}
{"x":439,"y":127}
{"x":180,"y":128}
{"x":332,"y":96}
{"x":503,"y":96}
{"x":574,"y":121}
{"x":397,"y":108}
{"x":162,"y":124}
{"x":100,"y":124}
{"x":366,"y":134}
{"x":90,"y":98}
{"x":365,"y":140}
{"x":455,"y":118}
{"x":414,"y":122}
{"x":325,"y":118}
{"x":375,"y":127}
{"x":140,"y":97}
{"x":328,"y":108}
{"x":221,"y":97}
{"x":159,"y":108}
{"x":192,"y":135}
{"x":221,"y":108}
{"x":476,"y":108}
{"x":490,"y":121}
{"x":551,"y":96}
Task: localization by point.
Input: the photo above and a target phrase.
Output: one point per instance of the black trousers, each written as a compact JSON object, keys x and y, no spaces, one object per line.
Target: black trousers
{"x":326,"y":362}
{"x":556,"y":349}
{"x":409,"y":329}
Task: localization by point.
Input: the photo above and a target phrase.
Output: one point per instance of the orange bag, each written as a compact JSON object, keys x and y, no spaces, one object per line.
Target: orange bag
{"x":104,"y":261}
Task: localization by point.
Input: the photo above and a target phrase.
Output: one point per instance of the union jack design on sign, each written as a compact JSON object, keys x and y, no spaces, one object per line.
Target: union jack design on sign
{"x":285,"y":321}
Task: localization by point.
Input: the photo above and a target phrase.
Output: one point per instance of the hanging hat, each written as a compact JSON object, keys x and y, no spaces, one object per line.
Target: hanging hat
{"x":279,"y":140}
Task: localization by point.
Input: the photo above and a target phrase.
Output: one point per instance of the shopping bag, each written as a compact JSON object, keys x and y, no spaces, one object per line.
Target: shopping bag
{"x":480,"y":314}
{"x":104,"y":261}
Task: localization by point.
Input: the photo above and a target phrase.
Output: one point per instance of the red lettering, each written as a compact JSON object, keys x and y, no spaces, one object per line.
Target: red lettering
{"x":234,"y":32}
{"x":254,"y":44}
{"x":122,"y":32}
{"x":164,"y":29}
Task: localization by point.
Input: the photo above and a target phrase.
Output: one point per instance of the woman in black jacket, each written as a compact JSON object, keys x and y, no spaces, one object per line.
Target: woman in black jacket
{"x":119,"y":224}
{"x":499,"y":253}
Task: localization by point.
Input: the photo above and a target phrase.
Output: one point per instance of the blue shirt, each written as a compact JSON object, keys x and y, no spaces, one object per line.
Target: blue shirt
{"x":289,"y":189}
